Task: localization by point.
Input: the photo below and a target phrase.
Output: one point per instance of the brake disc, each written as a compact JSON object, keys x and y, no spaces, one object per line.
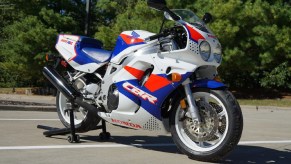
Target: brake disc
{"x":205,"y":130}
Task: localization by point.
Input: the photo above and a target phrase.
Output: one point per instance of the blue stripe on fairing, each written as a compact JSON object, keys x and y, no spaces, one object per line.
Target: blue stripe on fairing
{"x":129,"y":95}
{"x":207,"y":83}
{"x":161,"y":95}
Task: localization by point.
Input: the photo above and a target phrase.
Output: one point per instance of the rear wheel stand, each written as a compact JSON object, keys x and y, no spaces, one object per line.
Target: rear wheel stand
{"x":73,"y":137}
{"x":104,"y":135}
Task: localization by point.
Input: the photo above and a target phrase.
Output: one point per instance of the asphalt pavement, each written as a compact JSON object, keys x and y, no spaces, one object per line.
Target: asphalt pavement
{"x":266,"y":138}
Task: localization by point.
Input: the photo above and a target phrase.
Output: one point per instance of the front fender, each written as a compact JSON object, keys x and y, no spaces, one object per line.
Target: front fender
{"x":207,"y":83}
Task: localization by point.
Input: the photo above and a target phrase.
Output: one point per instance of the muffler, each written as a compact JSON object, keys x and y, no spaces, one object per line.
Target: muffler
{"x":66,"y":89}
{"x":60,"y":83}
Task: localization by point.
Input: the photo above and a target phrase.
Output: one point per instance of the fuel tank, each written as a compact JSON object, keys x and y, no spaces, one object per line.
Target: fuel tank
{"x":128,"y":42}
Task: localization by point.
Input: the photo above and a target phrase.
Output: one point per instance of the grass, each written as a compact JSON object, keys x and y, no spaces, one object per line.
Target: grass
{"x":266,"y":102}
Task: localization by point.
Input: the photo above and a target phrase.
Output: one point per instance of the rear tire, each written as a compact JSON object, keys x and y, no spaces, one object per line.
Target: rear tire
{"x":220,"y":131}
{"x":85,"y":120}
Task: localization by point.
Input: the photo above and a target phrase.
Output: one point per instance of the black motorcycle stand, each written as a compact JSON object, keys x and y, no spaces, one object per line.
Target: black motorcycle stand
{"x":104,"y":135}
{"x":73,"y":137}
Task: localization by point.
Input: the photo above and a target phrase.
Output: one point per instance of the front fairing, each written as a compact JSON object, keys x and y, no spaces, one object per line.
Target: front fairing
{"x":198,"y":32}
{"x":192,"y":19}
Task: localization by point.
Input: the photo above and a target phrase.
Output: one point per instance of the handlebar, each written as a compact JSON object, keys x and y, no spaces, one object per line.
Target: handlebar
{"x":162,"y":34}
{"x":154,"y":37}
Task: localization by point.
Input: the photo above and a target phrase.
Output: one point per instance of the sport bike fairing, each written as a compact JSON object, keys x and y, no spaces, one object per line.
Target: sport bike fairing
{"x":141,"y":103}
{"x":150,"y":96}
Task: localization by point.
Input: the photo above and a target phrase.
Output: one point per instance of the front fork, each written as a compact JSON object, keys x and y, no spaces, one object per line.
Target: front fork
{"x":193,"y":109}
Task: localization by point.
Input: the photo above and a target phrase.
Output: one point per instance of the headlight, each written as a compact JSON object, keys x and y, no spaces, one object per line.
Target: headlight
{"x":205,"y":50}
{"x":217,"y":53}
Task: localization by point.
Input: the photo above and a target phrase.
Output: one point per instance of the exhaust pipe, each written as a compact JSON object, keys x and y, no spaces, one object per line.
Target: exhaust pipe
{"x":67,"y":90}
{"x":60,"y":83}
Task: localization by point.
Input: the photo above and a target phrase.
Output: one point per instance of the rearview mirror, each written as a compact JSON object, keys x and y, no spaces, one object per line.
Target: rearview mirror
{"x":157,"y":4}
{"x":207,"y":18}
{"x":168,"y":16}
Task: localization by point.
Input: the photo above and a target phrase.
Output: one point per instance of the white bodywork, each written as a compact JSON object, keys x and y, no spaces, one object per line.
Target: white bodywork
{"x":140,"y":57}
{"x":66,"y":45}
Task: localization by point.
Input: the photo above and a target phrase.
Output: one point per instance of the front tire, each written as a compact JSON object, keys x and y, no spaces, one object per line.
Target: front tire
{"x":219,"y":131}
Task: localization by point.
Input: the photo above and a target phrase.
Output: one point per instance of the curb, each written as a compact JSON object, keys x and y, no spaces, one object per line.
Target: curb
{"x":28,"y":108}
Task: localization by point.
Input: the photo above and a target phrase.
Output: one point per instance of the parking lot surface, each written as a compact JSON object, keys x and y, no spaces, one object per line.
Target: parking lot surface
{"x":266,"y":139}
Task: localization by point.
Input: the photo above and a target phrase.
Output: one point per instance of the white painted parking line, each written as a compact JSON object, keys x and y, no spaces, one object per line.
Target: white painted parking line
{"x":82,"y":146}
{"x":264,"y":142}
{"x":124,"y":146}
{"x":17,"y":119}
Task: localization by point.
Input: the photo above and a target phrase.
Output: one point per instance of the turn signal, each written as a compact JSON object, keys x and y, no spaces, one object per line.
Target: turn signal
{"x":49,"y":57}
{"x":217,"y":78}
{"x":175,"y":77}
{"x":183,"y":104}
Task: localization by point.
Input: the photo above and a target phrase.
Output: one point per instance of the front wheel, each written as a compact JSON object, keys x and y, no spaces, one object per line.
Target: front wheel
{"x":220,"y":128}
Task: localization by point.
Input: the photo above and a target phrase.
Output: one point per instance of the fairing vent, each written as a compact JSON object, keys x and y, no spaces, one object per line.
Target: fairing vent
{"x":194,"y":47}
{"x":152,"y":124}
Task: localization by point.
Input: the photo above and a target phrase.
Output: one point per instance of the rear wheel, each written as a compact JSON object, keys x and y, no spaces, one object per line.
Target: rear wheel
{"x":220,"y":128}
{"x":84,"y":120}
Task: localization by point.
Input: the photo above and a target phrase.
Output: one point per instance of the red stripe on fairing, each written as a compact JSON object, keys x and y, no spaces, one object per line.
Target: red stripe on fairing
{"x":195,"y":35}
{"x":135,"y":72}
{"x":131,"y":40}
{"x":156,"y":82}
{"x":75,"y":55}
{"x":72,"y":58}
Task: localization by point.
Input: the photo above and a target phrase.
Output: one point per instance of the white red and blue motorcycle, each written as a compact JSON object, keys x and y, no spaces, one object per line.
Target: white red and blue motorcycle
{"x":164,"y":82}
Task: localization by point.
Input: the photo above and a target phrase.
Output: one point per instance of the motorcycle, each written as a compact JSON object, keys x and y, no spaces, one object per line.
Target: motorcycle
{"x":163,"y":82}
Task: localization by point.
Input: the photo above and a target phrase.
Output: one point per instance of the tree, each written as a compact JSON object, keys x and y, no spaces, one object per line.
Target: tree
{"x":132,"y":14}
{"x":32,"y":33}
{"x":255,"y":34}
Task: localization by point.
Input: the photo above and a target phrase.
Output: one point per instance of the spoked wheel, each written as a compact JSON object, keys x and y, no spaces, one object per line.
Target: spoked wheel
{"x":219,"y":130}
{"x":84,"y":120}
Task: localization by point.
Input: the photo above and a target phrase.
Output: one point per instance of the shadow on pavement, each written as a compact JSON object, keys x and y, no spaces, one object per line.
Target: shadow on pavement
{"x":257,"y":154}
{"x":130,"y":140}
{"x":241,"y":154}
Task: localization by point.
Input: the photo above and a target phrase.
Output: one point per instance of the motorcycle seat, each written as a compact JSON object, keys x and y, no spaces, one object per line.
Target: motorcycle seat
{"x":84,"y":41}
{"x":90,"y":50}
{"x":98,"y":54}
